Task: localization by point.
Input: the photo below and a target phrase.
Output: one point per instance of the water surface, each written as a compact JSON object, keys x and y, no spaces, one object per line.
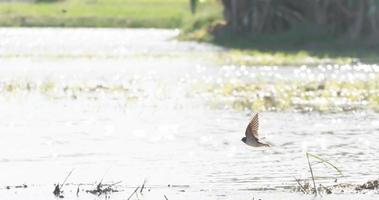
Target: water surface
{"x":125,"y":104}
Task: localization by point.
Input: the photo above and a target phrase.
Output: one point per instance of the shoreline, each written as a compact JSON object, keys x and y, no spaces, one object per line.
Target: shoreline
{"x":280,"y":50}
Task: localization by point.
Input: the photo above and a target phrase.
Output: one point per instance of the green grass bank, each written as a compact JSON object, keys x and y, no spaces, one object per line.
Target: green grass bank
{"x":104,"y":13}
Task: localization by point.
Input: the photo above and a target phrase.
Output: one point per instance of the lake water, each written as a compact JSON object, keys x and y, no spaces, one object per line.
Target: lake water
{"x":135,"y":104}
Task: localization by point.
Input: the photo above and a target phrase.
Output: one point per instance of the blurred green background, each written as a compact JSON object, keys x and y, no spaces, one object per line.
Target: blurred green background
{"x":285,"y":31}
{"x":104,"y":13}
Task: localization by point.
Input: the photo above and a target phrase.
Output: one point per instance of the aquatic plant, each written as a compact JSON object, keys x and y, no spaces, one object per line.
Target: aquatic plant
{"x":323,"y":161}
{"x":301,"y":95}
{"x":306,"y":187}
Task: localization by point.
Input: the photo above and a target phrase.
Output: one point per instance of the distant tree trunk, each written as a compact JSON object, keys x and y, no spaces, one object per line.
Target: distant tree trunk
{"x":374,"y":19}
{"x":234,"y":14}
{"x":356,"y":27}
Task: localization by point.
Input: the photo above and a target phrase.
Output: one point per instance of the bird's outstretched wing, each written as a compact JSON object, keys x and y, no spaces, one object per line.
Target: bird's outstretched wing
{"x":252,"y":128}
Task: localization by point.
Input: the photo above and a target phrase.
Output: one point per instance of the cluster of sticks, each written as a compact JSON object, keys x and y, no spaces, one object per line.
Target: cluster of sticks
{"x":101,"y":189}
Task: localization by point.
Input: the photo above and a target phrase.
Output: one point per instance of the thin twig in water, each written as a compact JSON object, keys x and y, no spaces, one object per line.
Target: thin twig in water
{"x":301,"y":186}
{"x":143,"y":186}
{"x":165,"y":197}
{"x":114,"y":184}
{"x":77,"y":191}
{"x":313,"y":178}
{"x":133,"y":192}
{"x":102,"y":178}
{"x":64,"y":182}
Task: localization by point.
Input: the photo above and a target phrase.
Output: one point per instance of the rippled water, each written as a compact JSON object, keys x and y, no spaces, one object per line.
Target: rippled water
{"x":135,"y":104}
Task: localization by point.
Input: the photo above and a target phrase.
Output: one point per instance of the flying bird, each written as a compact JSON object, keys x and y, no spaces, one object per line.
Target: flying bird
{"x":251,"y":133}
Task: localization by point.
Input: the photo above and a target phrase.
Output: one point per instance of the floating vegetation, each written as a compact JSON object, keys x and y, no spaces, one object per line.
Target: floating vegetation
{"x":307,"y":188}
{"x":325,"y":88}
{"x":369,"y":185}
{"x":103,"y":189}
{"x":257,"y":58}
{"x":301,"y":95}
{"x":57,"y":90}
{"x":8,"y":187}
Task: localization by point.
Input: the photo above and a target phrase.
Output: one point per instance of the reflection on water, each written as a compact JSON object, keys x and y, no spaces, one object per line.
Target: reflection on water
{"x":131,"y":105}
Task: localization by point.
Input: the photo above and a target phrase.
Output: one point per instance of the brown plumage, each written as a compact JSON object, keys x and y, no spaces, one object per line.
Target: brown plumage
{"x":251,"y":133}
